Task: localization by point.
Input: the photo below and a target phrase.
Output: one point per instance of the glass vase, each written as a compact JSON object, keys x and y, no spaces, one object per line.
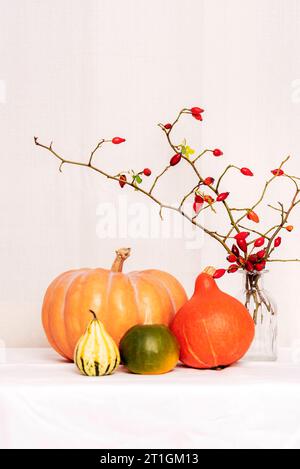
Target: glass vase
{"x":263,"y":310}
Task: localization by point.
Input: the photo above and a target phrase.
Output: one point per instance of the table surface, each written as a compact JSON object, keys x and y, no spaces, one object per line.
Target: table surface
{"x":46,"y":403}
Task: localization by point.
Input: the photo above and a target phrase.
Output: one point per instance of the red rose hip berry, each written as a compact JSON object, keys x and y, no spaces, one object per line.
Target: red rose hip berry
{"x":249,"y":266}
{"x":123,"y":181}
{"x":219,"y":273}
{"x":232,"y":258}
{"x":233,"y":269}
{"x":242,"y":244}
{"x":261,"y":254}
{"x":259,"y":242}
{"x":147,"y":172}
{"x":197,"y":110}
{"x":252,"y":216}
{"x":209,"y":181}
{"x":247,"y":172}
{"x":222,"y":197}
{"x":277,"y":242}
{"x":260,"y":266}
{"x":278,"y":172}
{"x":118,"y":140}
{"x":176,"y":159}
{"x":242,"y":235}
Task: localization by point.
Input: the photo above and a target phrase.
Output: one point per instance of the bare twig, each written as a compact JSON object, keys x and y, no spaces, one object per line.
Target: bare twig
{"x":283,"y":260}
{"x":201,"y":154}
{"x":236,"y":224}
{"x":186,"y":197}
{"x":281,"y":210}
{"x":131,"y":184}
{"x":224,"y":174}
{"x":285,"y":217}
{"x":158,"y":178}
{"x":262,"y":196}
{"x":261,"y":235}
{"x":99,"y":145}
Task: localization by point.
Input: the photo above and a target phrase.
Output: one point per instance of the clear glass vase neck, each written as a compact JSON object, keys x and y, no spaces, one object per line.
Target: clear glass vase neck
{"x":254,"y":280}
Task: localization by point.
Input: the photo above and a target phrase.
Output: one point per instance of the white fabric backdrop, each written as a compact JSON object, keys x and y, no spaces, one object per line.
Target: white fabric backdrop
{"x":75,"y":71}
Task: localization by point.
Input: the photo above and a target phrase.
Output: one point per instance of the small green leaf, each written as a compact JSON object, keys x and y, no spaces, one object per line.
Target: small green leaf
{"x":138,"y":179}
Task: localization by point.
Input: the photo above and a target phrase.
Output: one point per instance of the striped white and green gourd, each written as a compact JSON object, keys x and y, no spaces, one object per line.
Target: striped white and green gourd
{"x":96,"y":353}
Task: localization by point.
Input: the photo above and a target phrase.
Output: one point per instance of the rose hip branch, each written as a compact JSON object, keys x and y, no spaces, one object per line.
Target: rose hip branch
{"x":247,"y":248}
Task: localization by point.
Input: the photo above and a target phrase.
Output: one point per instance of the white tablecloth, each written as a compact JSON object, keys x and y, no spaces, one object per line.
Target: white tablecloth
{"x":45,"y":403}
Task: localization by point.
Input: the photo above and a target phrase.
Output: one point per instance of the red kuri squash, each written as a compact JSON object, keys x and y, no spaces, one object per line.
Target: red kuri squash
{"x":120,"y":301}
{"x":213,"y":328}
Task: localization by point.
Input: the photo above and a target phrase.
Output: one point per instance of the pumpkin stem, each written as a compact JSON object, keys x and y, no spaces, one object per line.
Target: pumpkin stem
{"x":94,"y":314}
{"x":122,"y":255}
{"x":210,"y":271}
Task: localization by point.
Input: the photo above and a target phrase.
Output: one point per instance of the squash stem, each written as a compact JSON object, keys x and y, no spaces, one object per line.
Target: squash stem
{"x":94,"y":314}
{"x":210,"y":271}
{"x":122,"y":255}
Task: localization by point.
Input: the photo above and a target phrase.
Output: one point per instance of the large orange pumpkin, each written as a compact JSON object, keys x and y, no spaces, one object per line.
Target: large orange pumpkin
{"x":120,"y":301}
{"x":213,"y":328}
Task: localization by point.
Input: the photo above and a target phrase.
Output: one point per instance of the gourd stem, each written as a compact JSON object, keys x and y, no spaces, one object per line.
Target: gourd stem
{"x":122,"y":255}
{"x":210,"y":271}
{"x":94,"y":314}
